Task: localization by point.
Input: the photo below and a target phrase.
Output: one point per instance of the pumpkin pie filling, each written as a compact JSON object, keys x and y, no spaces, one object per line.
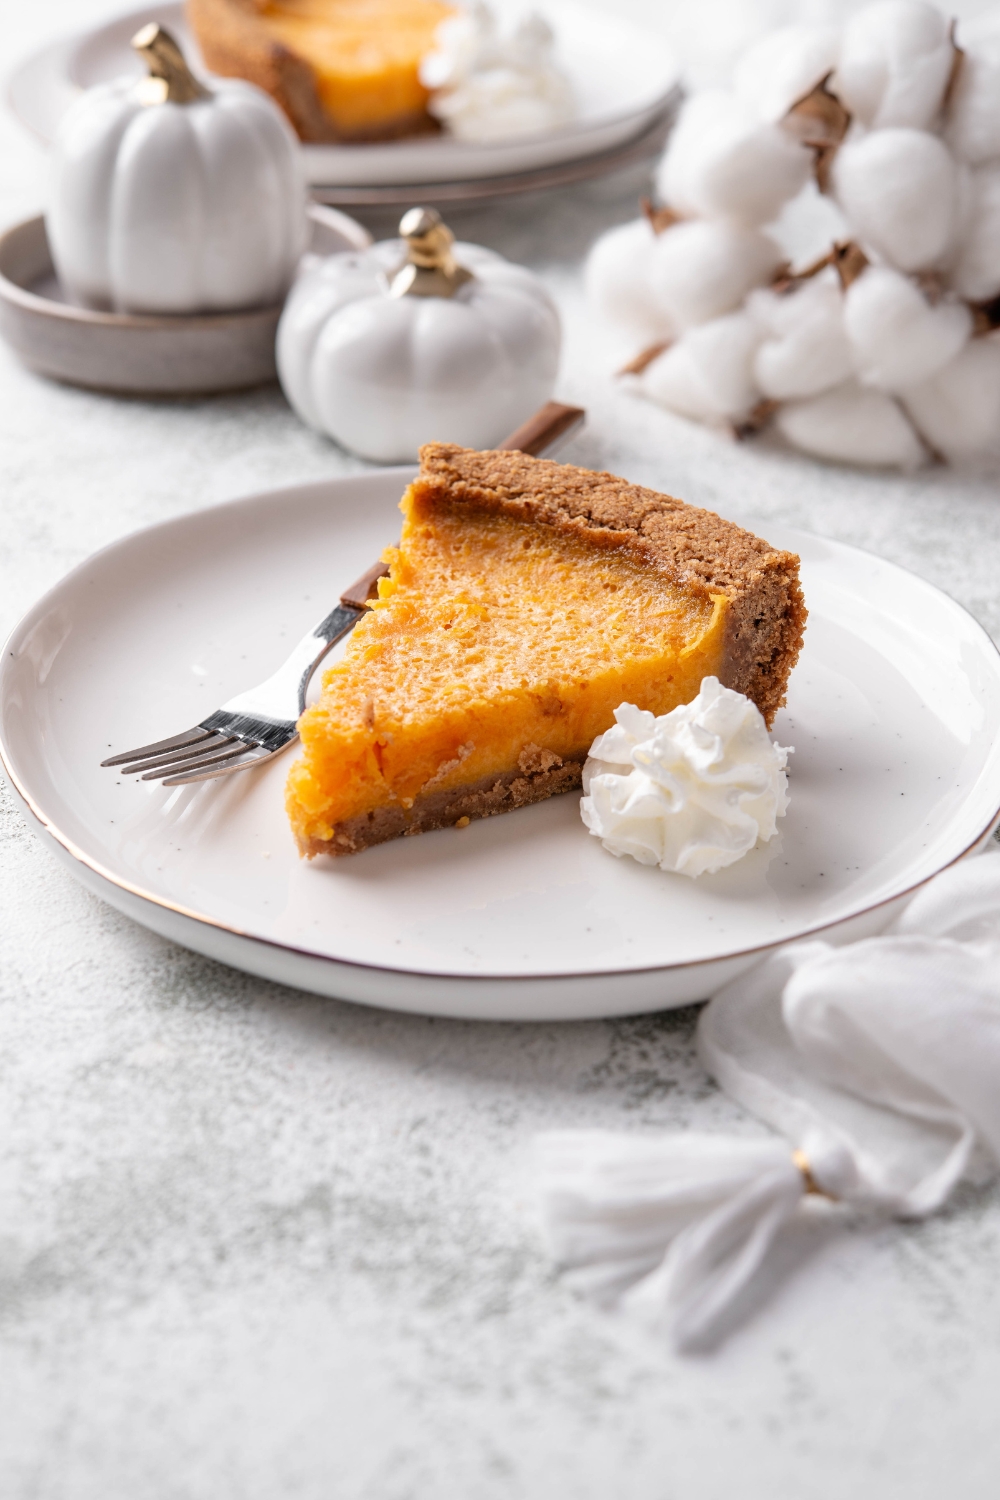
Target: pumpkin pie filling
{"x":526,"y":601}
{"x":341,"y":69}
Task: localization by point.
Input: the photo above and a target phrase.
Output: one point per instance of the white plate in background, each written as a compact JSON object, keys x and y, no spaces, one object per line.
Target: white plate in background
{"x":624,"y":77}
{"x":894,"y":713}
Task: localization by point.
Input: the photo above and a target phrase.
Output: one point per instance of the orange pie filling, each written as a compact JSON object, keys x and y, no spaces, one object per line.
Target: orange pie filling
{"x":365,"y":55}
{"x":496,"y":647}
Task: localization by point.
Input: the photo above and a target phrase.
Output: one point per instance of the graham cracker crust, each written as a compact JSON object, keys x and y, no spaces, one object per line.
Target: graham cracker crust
{"x":540,"y":774}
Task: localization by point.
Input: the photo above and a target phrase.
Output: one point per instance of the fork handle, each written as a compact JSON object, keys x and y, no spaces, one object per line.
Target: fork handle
{"x":339,"y":622}
{"x":311,"y":651}
{"x":272,"y":699}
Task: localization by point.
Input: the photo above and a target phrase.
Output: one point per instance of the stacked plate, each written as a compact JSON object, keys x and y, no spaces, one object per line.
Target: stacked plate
{"x":625,"y":79}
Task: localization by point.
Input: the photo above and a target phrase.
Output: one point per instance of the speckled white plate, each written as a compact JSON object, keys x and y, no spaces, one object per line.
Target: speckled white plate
{"x":624,"y":76}
{"x":894,"y":712}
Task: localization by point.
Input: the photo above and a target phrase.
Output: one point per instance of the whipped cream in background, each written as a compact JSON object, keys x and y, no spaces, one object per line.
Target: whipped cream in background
{"x":691,"y":791}
{"x":491,"y":86}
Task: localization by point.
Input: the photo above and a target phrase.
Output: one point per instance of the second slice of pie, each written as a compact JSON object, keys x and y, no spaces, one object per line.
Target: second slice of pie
{"x":525,"y":602}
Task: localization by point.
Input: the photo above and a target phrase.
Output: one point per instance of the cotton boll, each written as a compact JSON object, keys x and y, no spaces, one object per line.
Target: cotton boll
{"x":808,"y":225}
{"x":958,"y":409}
{"x":903,"y":193}
{"x":981,"y":33}
{"x":895,"y":61}
{"x":805,"y":348}
{"x":723,"y":161}
{"x":784,"y":66}
{"x":898,"y":338}
{"x":703,"y":268}
{"x":617,"y":280}
{"x":854,"y":425}
{"x":973,"y":121}
{"x":976,"y":270}
{"x":708,"y":374}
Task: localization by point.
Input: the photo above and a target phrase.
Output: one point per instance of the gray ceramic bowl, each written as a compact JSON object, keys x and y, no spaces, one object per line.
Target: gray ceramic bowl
{"x":141,"y":355}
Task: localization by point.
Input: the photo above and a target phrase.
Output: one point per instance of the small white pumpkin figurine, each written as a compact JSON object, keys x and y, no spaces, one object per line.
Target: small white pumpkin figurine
{"x":407,"y":343}
{"x":169,"y":197}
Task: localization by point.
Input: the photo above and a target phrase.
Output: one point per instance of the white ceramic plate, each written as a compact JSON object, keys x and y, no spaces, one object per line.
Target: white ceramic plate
{"x":894,"y":712}
{"x":624,"y":76}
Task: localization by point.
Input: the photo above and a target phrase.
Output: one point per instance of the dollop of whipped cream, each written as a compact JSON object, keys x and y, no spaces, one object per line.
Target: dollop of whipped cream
{"x":691,"y":791}
{"x":487,"y":86}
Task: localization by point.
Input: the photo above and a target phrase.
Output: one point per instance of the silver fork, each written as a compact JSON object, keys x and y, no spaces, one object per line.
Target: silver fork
{"x":257,"y":725}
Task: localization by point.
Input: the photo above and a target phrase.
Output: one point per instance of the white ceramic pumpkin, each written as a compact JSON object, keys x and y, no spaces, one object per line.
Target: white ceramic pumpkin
{"x":170,"y":198}
{"x":415,"y":341}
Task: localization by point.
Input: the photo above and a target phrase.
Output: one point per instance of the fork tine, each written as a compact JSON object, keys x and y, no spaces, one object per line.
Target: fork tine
{"x":223,"y":770}
{"x":189,"y":737}
{"x":183,"y":752}
{"x":194,"y":763}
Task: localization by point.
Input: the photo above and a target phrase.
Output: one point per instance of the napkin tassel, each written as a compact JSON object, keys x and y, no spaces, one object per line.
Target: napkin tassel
{"x":678,"y":1225}
{"x":881,"y":1059}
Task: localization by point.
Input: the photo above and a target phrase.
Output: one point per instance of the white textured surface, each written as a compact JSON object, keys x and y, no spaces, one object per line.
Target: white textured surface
{"x":254,"y":1244}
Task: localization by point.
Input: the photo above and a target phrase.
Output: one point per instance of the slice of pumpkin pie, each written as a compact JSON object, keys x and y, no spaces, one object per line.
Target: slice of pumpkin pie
{"x":342,"y":70}
{"x":525,"y":602}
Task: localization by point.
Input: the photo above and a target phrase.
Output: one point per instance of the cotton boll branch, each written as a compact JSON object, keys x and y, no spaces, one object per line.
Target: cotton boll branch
{"x":757,"y":420}
{"x":645,"y":358}
{"x":742,"y":323}
{"x":848,"y":259}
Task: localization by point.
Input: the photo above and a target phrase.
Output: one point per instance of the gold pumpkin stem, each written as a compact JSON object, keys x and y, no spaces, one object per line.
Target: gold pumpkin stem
{"x":430,"y":269}
{"x":170,"y":79}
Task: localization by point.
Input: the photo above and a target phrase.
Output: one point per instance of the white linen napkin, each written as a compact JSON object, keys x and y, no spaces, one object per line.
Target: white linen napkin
{"x":879,"y":1062}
